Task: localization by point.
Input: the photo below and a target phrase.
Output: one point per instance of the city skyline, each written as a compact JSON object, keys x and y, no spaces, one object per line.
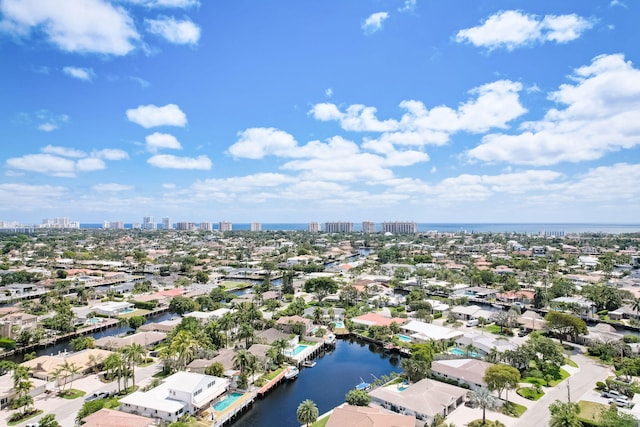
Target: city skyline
{"x":442,"y":112}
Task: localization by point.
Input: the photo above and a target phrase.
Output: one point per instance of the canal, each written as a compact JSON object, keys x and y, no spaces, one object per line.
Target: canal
{"x":327,"y":383}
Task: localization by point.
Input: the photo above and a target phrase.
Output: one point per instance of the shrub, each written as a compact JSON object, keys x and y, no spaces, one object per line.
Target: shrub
{"x":7,"y":343}
{"x":600,"y":386}
{"x":145,"y":305}
{"x":437,"y":315}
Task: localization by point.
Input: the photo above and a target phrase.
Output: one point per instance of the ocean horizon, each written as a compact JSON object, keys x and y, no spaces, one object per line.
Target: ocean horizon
{"x":498,"y":227}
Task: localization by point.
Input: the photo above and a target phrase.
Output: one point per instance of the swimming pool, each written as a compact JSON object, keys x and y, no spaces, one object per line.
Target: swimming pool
{"x":128,"y":310}
{"x":338,"y":324}
{"x":93,"y":321}
{"x":298,"y":349}
{"x":403,"y":338}
{"x":459,"y":352}
{"x":228,"y":400}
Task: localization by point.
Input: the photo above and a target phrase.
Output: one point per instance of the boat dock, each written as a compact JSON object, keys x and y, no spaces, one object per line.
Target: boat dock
{"x":262,"y":391}
{"x":234,"y":410}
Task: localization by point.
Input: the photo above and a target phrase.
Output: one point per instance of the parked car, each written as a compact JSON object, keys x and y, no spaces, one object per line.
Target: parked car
{"x":523,"y":333}
{"x":472,"y":322}
{"x":97,"y":395}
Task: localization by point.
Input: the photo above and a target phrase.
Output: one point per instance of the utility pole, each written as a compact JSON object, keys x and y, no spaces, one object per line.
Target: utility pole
{"x":568,"y":390}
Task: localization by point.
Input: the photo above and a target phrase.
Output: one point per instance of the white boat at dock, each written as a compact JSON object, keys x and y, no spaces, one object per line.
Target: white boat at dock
{"x":291,"y":373}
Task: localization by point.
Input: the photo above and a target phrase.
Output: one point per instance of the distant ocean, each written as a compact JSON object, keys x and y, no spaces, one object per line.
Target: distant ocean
{"x":530,"y":228}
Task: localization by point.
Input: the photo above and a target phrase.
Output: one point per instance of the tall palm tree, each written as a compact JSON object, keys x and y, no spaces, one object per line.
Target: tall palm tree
{"x":133,"y":354}
{"x":635,"y":305}
{"x":113,"y":364}
{"x":185,"y":347}
{"x":226,"y":322}
{"x":307,"y":412}
{"x":564,"y":414}
{"x":247,"y":332}
{"x":483,"y":398}
{"x":241,"y":360}
{"x":72,"y":370}
{"x":282,"y":345}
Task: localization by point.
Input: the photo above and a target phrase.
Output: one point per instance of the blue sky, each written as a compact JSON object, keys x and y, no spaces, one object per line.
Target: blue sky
{"x":297,"y":111}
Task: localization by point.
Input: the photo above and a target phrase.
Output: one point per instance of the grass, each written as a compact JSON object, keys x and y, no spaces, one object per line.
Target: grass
{"x":29,"y":416}
{"x":513,"y":409}
{"x":540,"y":381}
{"x":570,"y":362}
{"x":136,"y":312}
{"x":231,"y":285}
{"x":590,"y":411}
{"x":321,"y":422}
{"x":529,"y":393}
{"x":494,"y":329}
{"x":71,"y":394}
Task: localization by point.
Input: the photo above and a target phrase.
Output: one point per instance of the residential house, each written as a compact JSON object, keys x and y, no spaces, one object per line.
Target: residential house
{"x":113,"y":308}
{"x":286,"y":324}
{"x":8,"y":392}
{"x":476,"y":292}
{"x":469,"y":312}
{"x":524,"y":297}
{"x":425,"y":332}
{"x":371,"y":319}
{"x":423,"y":400}
{"x":145,"y":339}
{"x":43,"y":367}
{"x":366,"y":416}
{"x":532,"y":321}
{"x":483,"y":344}
{"x":12,"y":324}
{"x":112,"y":418}
{"x":181,"y":393}
{"x":624,"y":312}
{"x":464,"y":371}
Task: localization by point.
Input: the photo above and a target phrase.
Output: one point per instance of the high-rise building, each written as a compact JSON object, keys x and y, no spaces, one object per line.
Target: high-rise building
{"x":60,"y":223}
{"x":313,"y":227}
{"x":400,"y":227}
{"x":113,"y":225}
{"x":205,"y":226}
{"x":368,"y":227}
{"x":148,"y":223}
{"x":185,"y":226}
{"x":224,"y":226}
{"x":338,"y":227}
{"x":167,"y":224}
{"x":256,"y":226}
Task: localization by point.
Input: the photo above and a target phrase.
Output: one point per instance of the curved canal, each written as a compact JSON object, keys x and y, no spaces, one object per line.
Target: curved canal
{"x":327,"y":383}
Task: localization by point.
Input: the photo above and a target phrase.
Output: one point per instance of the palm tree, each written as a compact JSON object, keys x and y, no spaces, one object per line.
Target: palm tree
{"x":483,"y":398}
{"x":247,"y":332}
{"x":113,"y":364}
{"x":72,"y":370}
{"x":564,"y":414}
{"x":469,"y":349}
{"x":307,"y":412}
{"x":635,"y":305}
{"x":241,"y":360}
{"x":226,"y":322}
{"x":185,"y":347}
{"x":133,"y":354}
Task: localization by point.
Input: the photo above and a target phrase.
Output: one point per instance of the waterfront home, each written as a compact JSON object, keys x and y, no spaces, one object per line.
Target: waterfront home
{"x":145,"y":339}
{"x":424,"y":400}
{"x":269,"y":336}
{"x":464,"y":371}
{"x":164,"y":326}
{"x":525,"y":297}
{"x":112,"y":418}
{"x":476,"y":292}
{"x":43,"y":367}
{"x":426,"y":332}
{"x":203,"y":316}
{"x":602,"y":332}
{"x":13,"y":324}
{"x":582,"y":305}
{"x":483,"y":344}
{"x":371,"y":319}
{"x":624,"y":312}
{"x":181,"y":393}
{"x":468,"y":312}
{"x":113,"y":308}
{"x":286,"y":324}
{"x":338,"y":313}
{"x":367,"y":416}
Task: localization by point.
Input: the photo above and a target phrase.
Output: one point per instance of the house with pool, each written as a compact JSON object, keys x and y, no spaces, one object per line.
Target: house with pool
{"x":464,"y":371}
{"x":113,"y":308}
{"x":179,"y":394}
{"x":425,"y":332}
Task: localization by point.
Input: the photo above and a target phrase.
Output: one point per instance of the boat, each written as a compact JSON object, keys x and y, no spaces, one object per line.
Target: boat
{"x":309,"y":363}
{"x":331,"y":339}
{"x":363,"y":385}
{"x":291,"y":373}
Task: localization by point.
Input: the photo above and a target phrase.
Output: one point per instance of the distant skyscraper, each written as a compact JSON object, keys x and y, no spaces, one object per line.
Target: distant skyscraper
{"x":399,"y":227}
{"x":313,"y":227}
{"x":368,"y":227}
{"x":167,"y":224}
{"x":224,"y":226}
{"x":338,"y":227}
{"x":148,"y":223}
{"x":185,"y":226}
{"x":256,"y":226}
{"x":60,"y":223}
{"x":205,"y":226}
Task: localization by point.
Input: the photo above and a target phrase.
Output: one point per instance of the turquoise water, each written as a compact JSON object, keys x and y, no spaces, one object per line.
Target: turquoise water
{"x":299,"y":349}
{"x":460,"y":352}
{"x":93,"y":321}
{"x":128,"y":310}
{"x":228,"y":400}
{"x":403,"y":338}
{"x":339,"y":324}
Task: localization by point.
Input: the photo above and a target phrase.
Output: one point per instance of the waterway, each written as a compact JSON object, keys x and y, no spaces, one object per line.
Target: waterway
{"x":327,"y":383}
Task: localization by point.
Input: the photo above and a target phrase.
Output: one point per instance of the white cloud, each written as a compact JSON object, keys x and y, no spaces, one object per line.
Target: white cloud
{"x":90,"y":164}
{"x":44,"y":120}
{"x":45,"y":164}
{"x":84,"y":74}
{"x":167,"y":161}
{"x":601,"y":114}
{"x":157,"y":141}
{"x":176,"y":32}
{"x":328,"y":92}
{"x":604,"y":184}
{"x":63,"y":151}
{"x":408,"y":6}
{"x":373,"y":23}
{"x":48,"y":127}
{"x":149,"y":116}
{"x":110,"y":154}
{"x":512,"y":29}
{"x":494,"y":106}
{"x":85,"y":26}
{"x":21,"y":197}
{"x":256,"y":143}
{"x":112,"y":187}
{"x":248,"y":183}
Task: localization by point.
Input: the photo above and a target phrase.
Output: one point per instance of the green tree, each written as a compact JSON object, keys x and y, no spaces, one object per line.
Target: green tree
{"x":216,"y":369}
{"x":133,"y":354}
{"x":564,"y":414}
{"x":565,"y":324}
{"x":611,"y":417}
{"x":136,"y":321}
{"x":181,"y":305}
{"x":482,"y":398}
{"x":48,"y":420}
{"x":358,"y":398}
{"x":501,"y":377}
{"x":321,"y":287}
{"x":307,"y":412}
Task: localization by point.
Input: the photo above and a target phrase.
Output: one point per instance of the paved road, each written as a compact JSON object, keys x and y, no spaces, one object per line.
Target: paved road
{"x":66,"y":410}
{"x":581,"y":383}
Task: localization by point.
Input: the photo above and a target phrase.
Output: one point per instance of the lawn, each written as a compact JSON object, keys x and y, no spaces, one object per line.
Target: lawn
{"x":71,"y":394}
{"x":554,"y":382}
{"x":570,"y":362}
{"x":513,"y":409}
{"x":530,"y":393}
{"x":494,"y":329}
{"x":20,"y":421}
{"x":321,"y":422}
{"x":231,"y":285}
{"x":590,"y":411}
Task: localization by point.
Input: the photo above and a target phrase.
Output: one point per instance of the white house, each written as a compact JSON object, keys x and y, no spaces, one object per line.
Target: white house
{"x":424,"y":332}
{"x":182,"y":392}
{"x":113,"y":308}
